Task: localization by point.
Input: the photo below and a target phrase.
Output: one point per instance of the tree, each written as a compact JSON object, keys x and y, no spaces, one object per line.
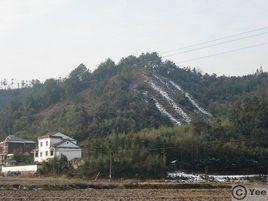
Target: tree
{"x":78,"y":80}
{"x":57,"y":166}
{"x":53,"y":92}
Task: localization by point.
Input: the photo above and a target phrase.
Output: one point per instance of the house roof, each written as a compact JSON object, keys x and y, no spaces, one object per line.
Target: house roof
{"x":49,"y":135}
{"x":56,"y":145}
{"x":56,"y":134}
{"x":15,"y":139}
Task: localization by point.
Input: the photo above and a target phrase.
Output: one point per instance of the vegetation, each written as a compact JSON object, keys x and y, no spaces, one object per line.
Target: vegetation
{"x":56,"y":166}
{"x":204,"y":146}
{"x":107,"y":112}
{"x":23,"y":158}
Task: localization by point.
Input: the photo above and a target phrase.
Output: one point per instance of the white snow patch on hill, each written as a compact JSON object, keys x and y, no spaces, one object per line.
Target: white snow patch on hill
{"x":190,"y":98}
{"x":176,"y":86}
{"x":202,"y":110}
{"x":164,"y":112}
{"x":164,"y":94}
{"x":160,"y":80}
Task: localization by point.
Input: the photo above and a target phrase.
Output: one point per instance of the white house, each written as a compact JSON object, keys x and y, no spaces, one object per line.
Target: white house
{"x":56,"y":144}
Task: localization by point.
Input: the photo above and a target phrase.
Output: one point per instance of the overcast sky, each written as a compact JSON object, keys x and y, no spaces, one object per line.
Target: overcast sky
{"x":48,"y":38}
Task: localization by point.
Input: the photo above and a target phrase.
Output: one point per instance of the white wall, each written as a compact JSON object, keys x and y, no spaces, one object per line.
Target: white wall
{"x":45,"y":148}
{"x":22,"y":169}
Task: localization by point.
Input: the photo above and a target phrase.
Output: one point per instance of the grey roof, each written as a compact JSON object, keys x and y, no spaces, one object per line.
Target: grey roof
{"x":15,"y":139}
{"x":58,"y":144}
{"x":49,"y":134}
{"x":61,"y":142}
{"x":56,"y":134}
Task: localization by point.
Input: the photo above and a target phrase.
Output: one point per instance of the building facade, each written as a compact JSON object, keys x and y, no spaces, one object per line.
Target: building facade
{"x":12,"y":145}
{"x":55,"y":144}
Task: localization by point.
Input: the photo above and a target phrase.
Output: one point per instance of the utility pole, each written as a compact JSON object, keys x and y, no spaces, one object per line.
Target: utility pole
{"x":110,"y":174}
{"x":192,"y":156}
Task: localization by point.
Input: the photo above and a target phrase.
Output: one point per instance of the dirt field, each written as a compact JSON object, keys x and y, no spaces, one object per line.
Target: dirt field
{"x":49,"y":188}
{"x":119,"y":195}
{"x":61,"y":183}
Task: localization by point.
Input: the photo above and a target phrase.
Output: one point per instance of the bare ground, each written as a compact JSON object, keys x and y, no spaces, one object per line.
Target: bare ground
{"x":49,"y":188}
{"x":120,"y":194}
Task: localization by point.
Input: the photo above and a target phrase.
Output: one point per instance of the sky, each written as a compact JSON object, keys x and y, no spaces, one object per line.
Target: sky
{"x":42,"y":39}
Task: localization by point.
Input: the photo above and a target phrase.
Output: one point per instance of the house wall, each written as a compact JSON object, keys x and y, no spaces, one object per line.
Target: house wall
{"x":13,"y":148}
{"x":19,"y":147}
{"x":45,"y":148}
{"x":3,"y":147}
{"x":44,"y":157}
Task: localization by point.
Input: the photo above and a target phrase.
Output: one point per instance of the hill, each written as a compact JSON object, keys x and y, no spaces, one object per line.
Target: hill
{"x":137,"y":93}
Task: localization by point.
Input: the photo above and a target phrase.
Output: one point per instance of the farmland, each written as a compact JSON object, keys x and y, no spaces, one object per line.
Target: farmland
{"x":118,"y":194}
{"x":40,"y":188}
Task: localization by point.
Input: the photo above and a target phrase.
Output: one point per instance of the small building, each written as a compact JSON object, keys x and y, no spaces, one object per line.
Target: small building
{"x":55,"y":144}
{"x":12,"y":145}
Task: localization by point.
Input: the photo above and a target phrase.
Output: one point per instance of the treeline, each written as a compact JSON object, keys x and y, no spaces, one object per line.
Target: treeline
{"x":81,"y":105}
{"x":234,"y":145}
{"x":111,"y":100}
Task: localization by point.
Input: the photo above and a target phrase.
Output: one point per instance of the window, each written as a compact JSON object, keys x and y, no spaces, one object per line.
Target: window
{"x":46,"y":153}
{"x":51,"y":153}
{"x":41,"y":154}
{"x":46,"y":143}
{"x":36,"y":153}
{"x":41,"y":144}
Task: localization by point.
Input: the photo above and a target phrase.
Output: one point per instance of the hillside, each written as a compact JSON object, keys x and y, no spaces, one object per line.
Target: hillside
{"x":137,"y":93}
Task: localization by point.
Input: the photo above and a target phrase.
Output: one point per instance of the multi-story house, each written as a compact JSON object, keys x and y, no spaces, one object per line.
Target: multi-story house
{"x":12,"y":145}
{"x":55,"y":144}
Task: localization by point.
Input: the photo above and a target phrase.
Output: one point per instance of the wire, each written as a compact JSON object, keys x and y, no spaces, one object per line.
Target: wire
{"x":220,"y":53}
{"x":217,"y":39}
{"x":216,"y":44}
{"x":162,"y":148}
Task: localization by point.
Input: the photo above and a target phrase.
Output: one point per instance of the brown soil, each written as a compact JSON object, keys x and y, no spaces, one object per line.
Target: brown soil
{"x":49,"y":188}
{"x":119,"y":194}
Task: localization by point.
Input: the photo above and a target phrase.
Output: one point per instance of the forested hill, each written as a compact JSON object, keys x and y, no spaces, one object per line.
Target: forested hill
{"x":137,"y":93}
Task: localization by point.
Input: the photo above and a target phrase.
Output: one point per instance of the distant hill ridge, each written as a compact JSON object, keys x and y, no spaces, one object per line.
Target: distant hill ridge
{"x":137,"y":93}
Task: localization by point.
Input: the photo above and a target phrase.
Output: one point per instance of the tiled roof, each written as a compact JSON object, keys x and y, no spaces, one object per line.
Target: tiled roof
{"x":59,"y":143}
{"x":56,"y":134}
{"x":49,"y":134}
{"x":63,"y":141}
{"x":15,"y":139}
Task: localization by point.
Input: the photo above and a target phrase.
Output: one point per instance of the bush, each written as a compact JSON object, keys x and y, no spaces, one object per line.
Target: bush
{"x":56,"y":166}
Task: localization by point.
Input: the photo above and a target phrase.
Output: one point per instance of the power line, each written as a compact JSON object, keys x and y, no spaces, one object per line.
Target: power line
{"x":107,"y":150}
{"x":217,"y":39}
{"x":221,"y":53}
{"x":216,"y":44}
